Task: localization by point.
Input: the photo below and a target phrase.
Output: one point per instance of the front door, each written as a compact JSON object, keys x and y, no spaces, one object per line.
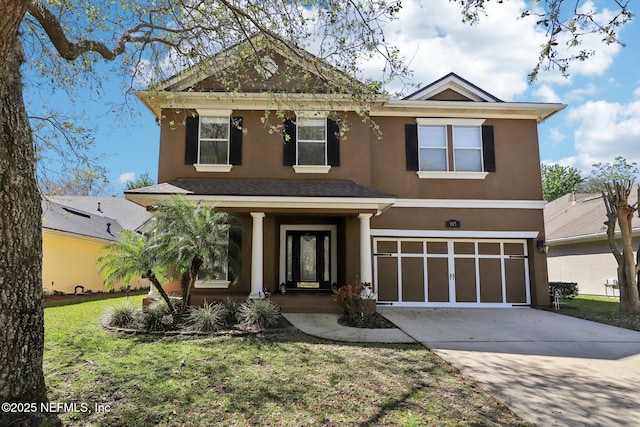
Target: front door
{"x":308,"y":259}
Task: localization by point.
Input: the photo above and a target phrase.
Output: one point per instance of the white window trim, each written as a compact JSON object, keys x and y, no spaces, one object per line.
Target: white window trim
{"x":312,"y":168}
{"x":451,"y":175}
{"x":206,"y":167}
{"x":214,"y":167}
{"x":211,"y":284}
{"x":421,"y":121}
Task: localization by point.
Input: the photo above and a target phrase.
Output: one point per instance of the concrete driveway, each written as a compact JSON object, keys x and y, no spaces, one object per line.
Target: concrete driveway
{"x":549,"y":368}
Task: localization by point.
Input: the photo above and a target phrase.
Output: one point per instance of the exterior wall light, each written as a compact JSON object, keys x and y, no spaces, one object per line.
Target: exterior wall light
{"x":543,"y":247}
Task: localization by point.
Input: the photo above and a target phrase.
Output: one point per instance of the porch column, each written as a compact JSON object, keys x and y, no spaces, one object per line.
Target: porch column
{"x":365,"y":248}
{"x":257,"y":281}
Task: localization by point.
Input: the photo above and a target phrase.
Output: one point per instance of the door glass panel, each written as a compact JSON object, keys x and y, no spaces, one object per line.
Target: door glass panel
{"x":308,"y":258}
{"x":289,"y":257}
{"x":327,"y":261}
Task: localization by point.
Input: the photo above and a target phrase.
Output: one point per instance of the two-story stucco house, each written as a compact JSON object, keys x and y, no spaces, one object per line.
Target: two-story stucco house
{"x":441,"y":206}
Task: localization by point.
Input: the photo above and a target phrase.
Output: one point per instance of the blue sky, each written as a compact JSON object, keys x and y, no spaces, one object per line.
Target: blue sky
{"x":601,"y":121}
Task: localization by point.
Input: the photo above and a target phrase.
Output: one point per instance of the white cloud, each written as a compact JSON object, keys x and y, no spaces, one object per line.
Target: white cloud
{"x":496,"y":54}
{"x":545,"y":93}
{"x":580,"y":93}
{"x":126,"y":177}
{"x":604,"y":130}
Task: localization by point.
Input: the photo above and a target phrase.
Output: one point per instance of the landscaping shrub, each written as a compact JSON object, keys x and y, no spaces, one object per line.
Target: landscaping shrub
{"x":208,"y":318}
{"x":257,"y":313}
{"x":358,"y":306}
{"x":153,"y":318}
{"x":119,"y":315}
{"x":231,"y":306}
{"x":567,"y":290}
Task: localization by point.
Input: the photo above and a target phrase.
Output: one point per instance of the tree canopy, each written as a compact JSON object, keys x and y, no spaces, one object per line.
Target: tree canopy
{"x":603,"y":173}
{"x":558,"y":180}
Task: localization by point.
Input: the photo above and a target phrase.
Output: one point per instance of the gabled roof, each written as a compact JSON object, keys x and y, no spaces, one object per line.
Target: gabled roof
{"x":58,"y":217}
{"x":580,"y":217}
{"x":455,"y":83}
{"x":253,"y":47}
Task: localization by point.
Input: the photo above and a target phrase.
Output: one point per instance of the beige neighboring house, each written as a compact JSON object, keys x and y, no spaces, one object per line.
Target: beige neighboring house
{"x":578,"y":247}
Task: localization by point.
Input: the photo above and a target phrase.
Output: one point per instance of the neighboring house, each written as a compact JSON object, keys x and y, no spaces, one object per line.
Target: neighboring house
{"x":578,"y":247}
{"x":74,"y":231}
{"x":445,"y":209}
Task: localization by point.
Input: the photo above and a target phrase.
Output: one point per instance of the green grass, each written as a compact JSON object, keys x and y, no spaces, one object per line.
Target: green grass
{"x":602,"y":310}
{"x":279,"y":379}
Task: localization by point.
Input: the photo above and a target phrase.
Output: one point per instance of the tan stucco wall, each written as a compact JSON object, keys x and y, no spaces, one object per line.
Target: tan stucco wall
{"x":379,"y":164}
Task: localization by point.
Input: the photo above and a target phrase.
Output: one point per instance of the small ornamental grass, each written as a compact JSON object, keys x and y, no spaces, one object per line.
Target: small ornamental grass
{"x":257,"y":313}
{"x":208,"y":318}
{"x":119,"y":315}
{"x":232,"y":306}
{"x":154,"y":318}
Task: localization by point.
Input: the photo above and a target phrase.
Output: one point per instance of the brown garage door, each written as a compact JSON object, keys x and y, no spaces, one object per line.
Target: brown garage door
{"x":444,"y":272}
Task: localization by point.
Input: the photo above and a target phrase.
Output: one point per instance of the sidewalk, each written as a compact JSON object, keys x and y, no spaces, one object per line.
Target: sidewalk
{"x":327,"y":326}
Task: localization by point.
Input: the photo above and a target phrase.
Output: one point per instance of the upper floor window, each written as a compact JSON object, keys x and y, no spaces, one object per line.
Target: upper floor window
{"x":213,"y":140}
{"x":450,"y":148}
{"x":213,"y":148}
{"x":311,"y":143}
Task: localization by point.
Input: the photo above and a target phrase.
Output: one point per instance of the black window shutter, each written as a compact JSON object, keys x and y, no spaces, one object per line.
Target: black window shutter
{"x":235,"y":143}
{"x":333,"y":143}
{"x":234,"y":251}
{"x":411,"y":146}
{"x":191,"y":140}
{"x":488,"y":150}
{"x":289,"y":146}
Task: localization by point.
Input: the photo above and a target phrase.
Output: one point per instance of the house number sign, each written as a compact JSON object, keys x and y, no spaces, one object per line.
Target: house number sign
{"x":452,"y":223}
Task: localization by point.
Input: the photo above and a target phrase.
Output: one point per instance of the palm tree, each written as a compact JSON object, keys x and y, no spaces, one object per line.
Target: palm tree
{"x":193,"y":242}
{"x":129,"y":258}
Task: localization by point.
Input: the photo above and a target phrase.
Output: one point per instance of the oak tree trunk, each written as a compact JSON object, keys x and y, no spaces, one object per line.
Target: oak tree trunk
{"x":21,"y":312}
{"x":627,"y":278}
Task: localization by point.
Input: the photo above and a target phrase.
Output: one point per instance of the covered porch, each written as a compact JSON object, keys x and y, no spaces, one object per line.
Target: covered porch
{"x":303,"y":237}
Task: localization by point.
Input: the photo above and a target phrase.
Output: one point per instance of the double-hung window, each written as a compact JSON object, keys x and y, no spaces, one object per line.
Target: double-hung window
{"x":450,"y":148}
{"x":214,"y":272}
{"x":213,"y":139}
{"x":312,"y":141}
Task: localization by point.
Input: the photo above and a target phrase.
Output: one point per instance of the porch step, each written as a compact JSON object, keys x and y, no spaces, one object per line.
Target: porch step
{"x":306,"y":303}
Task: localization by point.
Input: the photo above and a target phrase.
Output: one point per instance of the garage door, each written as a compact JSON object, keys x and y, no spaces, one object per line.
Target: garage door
{"x":444,"y":272}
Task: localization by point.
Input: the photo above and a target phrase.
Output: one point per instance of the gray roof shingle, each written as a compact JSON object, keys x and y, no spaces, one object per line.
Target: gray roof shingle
{"x":580,"y":215}
{"x":56,"y":216}
{"x":265,"y":187}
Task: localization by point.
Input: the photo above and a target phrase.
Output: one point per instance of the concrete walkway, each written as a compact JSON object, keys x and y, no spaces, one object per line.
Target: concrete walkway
{"x":327,"y":326}
{"x":552,"y":370}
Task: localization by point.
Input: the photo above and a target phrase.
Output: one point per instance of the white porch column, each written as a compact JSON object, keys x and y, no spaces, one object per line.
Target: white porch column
{"x":257,"y":259}
{"x":365,"y":248}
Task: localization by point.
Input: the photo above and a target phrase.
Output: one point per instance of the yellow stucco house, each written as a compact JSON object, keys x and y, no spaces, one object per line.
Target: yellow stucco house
{"x":74,"y":230}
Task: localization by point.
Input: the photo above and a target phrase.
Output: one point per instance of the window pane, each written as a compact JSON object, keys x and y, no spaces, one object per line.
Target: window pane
{"x":468,"y":160}
{"x":432,"y":136}
{"x":433,"y":159}
{"x":311,"y":153}
{"x":465,"y":136}
{"x":213,"y":152}
{"x":311,"y":129}
{"x":308,"y":258}
{"x":214,"y":128}
{"x":327,"y":260}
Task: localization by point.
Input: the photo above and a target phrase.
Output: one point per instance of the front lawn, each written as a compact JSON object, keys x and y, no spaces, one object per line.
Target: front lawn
{"x":602,"y":310}
{"x":282,"y":379}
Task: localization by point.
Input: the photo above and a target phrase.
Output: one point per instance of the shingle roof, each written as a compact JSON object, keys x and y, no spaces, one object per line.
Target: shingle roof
{"x":130,"y":215}
{"x":56,"y":216}
{"x":265,"y":187}
{"x":580,"y":215}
